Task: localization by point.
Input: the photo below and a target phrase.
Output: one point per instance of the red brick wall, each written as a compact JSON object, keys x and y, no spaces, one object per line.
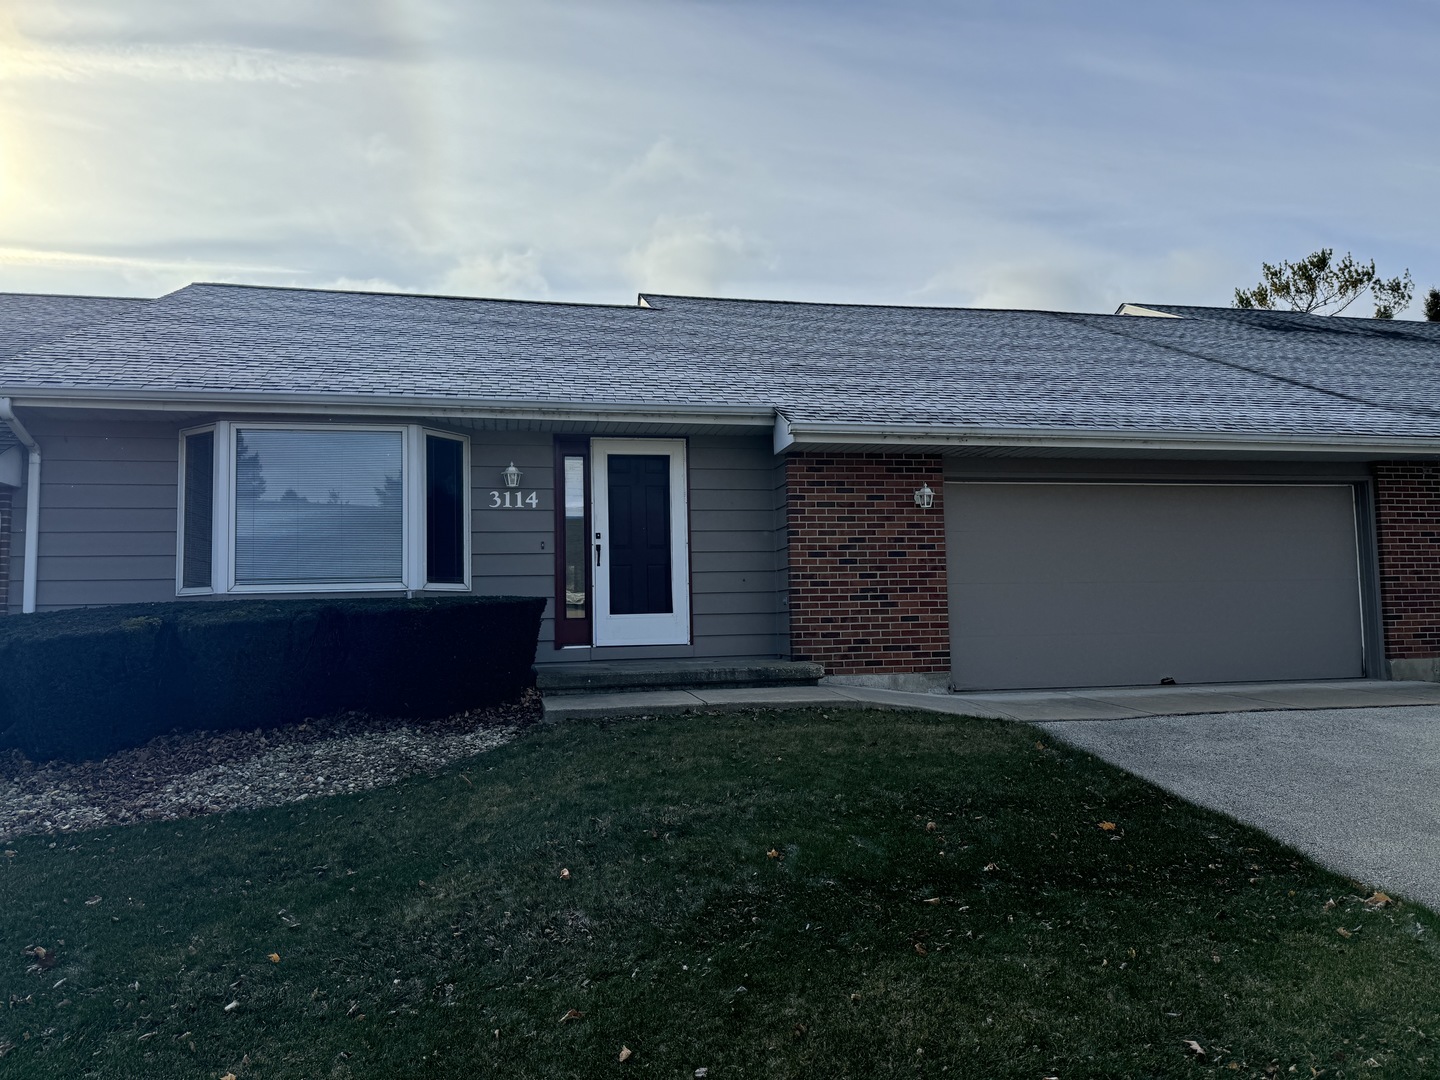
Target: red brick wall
{"x":867,"y":566}
{"x":4,"y":548}
{"x":1407,"y":526}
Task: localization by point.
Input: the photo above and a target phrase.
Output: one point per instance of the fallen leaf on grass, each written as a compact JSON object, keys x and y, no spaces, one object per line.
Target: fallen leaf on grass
{"x":1343,"y":932}
{"x":930,"y":826}
{"x":228,"y":1076}
{"x":273,"y":957}
{"x":1328,"y":905}
{"x":1194,"y":1047}
{"x":919,"y":948}
{"x":932,"y":900}
{"x":573,"y":1014}
{"x":564,"y":874}
{"x":990,"y":866}
{"x":626,"y":1053}
{"x":92,"y":901}
{"x":1378,"y":899}
{"x":773,"y":853}
{"x":232,"y":1006}
{"x":44,"y":958}
{"x":1107,"y":826}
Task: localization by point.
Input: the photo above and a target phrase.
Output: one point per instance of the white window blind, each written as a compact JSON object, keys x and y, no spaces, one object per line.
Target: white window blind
{"x":319,"y":507}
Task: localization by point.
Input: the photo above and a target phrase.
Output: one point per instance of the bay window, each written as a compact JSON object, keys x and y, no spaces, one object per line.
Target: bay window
{"x":309,"y":508}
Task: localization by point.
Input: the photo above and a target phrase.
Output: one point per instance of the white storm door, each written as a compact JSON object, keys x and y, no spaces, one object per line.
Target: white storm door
{"x":640,"y":542}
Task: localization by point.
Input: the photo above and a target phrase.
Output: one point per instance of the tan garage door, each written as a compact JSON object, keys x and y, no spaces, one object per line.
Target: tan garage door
{"x":1077,"y":584}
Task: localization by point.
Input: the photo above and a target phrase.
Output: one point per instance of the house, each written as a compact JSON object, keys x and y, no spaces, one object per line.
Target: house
{"x":913,"y":497}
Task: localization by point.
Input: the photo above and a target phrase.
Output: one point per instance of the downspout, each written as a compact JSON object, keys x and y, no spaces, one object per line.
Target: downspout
{"x":32,"y":503}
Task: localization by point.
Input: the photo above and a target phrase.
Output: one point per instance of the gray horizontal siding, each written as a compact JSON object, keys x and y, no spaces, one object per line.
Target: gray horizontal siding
{"x":73,"y":544}
{"x":92,"y":567}
{"x":735,"y":589}
{"x":108,"y":525}
{"x":732,"y":480}
{"x":107,"y":513}
{"x":512,"y":551}
{"x":102,"y":497}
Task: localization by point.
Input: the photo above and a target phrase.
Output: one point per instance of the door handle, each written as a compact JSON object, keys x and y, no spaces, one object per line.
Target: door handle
{"x":597,"y":554}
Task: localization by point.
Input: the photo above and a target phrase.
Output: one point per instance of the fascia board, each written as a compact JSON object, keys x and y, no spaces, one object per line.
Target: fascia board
{"x":903,"y":435}
{"x":392,"y":405}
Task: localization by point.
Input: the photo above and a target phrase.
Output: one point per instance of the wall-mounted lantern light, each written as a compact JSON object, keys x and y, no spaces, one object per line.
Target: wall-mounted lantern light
{"x":511,"y":476}
{"x":924,"y":497}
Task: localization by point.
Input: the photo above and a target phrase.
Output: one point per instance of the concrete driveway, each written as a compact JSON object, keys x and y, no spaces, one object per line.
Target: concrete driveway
{"x":1357,"y":789}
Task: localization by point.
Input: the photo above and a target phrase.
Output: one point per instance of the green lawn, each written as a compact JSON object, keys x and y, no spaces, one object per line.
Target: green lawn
{"x":755,"y":894}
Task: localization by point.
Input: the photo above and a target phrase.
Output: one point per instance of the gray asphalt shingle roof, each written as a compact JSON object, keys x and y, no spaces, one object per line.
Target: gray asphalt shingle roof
{"x":1211,"y":371}
{"x":28,"y":319}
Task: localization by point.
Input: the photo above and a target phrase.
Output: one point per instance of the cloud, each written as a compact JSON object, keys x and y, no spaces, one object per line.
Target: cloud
{"x":19,"y":256}
{"x":664,"y":163}
{"x":693,"y":255}
{"x":509,"y":274}
{"x":196,"y":63}
{"x":1080,"y":279}
{"x":74,"y":271}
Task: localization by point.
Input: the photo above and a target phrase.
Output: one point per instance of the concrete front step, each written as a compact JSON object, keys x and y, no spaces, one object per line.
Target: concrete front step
{"x":618,"y":676}
{"x":670,"y":702}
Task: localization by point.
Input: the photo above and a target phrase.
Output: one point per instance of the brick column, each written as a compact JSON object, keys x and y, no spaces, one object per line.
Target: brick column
{"x":867,"y":566}
{"x":1407,"y":526}
{"x":5,"y":519}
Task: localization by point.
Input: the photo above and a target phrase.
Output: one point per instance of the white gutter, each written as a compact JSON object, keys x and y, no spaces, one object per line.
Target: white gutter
{"x":789,"y":433}
{"x":783,"y":437}
{"x":389,"y":405}
{"x":32,"y":503}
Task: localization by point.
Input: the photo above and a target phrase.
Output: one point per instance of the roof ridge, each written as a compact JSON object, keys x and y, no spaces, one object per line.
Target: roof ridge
{"x":82,"y":296}
{"x":856,"y":304}
{"x":403,"y":295}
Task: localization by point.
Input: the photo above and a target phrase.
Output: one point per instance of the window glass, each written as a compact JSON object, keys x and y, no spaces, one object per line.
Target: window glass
{"x":444,"y":511}
{"x":318,"y":507}
{"x":577,"y":545}
{"x":199,"y":520}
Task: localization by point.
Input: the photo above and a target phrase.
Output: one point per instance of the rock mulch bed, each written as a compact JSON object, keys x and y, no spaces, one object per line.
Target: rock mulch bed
{"x":179,"y":776}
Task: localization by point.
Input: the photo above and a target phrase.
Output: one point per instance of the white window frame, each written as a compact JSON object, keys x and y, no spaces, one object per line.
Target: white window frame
{"x":181,"y":589}
{"x":413,"y":516}
{"x":420,"y":571}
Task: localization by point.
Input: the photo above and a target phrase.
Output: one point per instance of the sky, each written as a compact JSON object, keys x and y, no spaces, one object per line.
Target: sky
{"x":1056,"y":155}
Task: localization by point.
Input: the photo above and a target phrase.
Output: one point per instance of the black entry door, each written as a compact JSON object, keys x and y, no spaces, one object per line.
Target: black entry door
{"x":639,"y":497}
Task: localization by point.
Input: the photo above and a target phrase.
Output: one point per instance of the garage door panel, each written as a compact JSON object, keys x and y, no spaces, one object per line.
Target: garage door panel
{"x":1097,"y":585}
{"x":1153,"y":657}
{"x":1255,"y":609}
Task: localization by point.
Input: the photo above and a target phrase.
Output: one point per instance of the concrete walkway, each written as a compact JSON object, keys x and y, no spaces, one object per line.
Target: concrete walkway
{"x":1029,"y":705}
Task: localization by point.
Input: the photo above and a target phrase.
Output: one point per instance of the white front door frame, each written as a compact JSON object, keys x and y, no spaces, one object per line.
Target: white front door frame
{"x":667,"y":628}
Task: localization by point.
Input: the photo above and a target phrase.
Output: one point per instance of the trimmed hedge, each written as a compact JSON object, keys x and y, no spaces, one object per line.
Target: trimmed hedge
{"x":82,"y":683}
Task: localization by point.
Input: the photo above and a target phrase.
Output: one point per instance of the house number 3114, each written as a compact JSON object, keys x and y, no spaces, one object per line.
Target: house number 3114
{"x":514,"y":500}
